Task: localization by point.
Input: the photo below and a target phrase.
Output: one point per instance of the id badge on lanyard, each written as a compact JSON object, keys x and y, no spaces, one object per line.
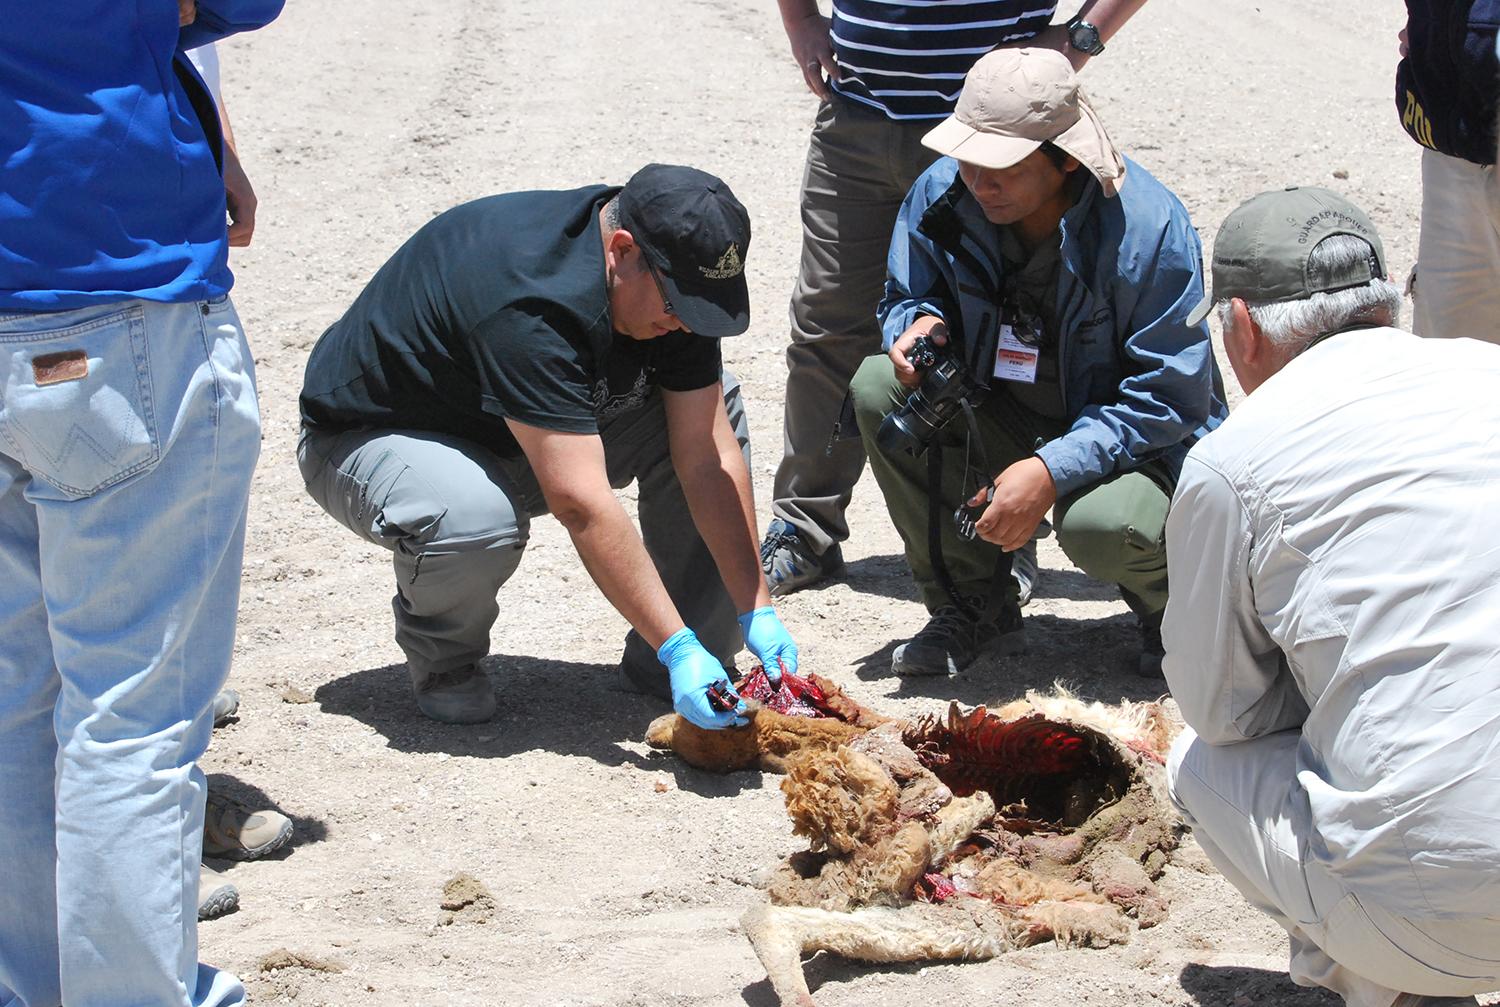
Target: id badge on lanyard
{"x":1014,"y":360}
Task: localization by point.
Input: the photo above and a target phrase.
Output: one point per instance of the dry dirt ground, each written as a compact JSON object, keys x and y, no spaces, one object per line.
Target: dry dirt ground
{"x":616,"y":876}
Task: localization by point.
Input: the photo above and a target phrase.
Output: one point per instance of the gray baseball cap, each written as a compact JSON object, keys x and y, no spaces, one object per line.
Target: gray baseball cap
{"x":1261,"y":252}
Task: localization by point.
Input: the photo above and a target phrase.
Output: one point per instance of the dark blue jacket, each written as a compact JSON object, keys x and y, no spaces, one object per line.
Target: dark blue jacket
{"x":110,"y":185}
{"x":1139,"y":383}
{"x":1447,"y":87}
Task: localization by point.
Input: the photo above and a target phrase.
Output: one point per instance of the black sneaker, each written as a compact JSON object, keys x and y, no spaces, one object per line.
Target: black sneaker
{"x":951,"y":641}
{"x":647,"y":681}
{"x":653,"y":679}
{"x":457,"y":696}
{"x":789,"y":563}
{"x":1152,"y":651}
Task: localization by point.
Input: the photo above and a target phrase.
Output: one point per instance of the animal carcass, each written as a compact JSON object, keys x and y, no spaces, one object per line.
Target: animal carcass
{"x":953,"y":837}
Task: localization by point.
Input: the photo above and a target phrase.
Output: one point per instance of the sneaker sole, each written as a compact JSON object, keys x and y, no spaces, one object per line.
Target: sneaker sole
{"x":791,"y":585}
{"x":225,"y":900}
{"x":1006,"y":645}
{"x":231,"y":710}
{"x":283,"y":836}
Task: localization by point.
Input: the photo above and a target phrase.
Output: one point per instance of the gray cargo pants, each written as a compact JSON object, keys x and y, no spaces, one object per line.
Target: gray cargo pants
{"x":456,"y":518}
{"x":860,"y":165}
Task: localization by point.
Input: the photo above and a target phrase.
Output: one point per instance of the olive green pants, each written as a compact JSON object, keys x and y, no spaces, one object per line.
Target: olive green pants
{"x":1113,"y":530}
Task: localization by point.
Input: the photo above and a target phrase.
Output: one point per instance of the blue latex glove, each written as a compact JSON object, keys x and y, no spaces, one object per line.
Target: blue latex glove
{"x":692,"y":670}
{"x":769,"y":641}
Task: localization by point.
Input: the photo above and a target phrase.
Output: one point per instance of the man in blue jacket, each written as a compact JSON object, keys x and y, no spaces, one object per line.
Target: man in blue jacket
{"x":1062,"y":296}
{"x":128,"y":432}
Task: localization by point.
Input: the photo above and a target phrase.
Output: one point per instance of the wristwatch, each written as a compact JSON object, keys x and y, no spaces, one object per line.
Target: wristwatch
{"x":1084,"y":37}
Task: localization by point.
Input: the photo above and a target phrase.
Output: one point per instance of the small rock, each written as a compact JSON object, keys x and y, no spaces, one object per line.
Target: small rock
{"x":294,"y":695}
{"x":467,"y":895}
{"x":1340,"y":173}
{"x":662,"y":788}
{"x":281,"y":958}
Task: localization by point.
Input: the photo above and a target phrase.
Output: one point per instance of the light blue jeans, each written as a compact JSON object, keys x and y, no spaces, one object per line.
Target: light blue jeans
{"x":128,"y":434}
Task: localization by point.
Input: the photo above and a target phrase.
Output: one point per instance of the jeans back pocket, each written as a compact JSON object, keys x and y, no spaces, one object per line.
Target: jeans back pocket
{"x":75,"y":403}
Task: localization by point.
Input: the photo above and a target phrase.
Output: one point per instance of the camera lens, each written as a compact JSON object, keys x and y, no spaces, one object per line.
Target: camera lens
{"x":896,"y":433}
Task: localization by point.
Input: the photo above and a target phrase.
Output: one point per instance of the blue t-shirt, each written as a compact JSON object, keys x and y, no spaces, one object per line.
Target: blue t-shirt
{"x":110,"y":187}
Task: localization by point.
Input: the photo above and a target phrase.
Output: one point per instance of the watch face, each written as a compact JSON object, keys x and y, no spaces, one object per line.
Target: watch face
{"x":1084,"y":37}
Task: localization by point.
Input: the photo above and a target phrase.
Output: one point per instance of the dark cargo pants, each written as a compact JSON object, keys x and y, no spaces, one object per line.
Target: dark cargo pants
{"x":860,"y":165}
{"x":1113,"y":530}
{"x":456,"y":518}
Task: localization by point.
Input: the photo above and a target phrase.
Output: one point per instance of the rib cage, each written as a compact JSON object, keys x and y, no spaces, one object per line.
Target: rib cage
{"x":1029,"y":760}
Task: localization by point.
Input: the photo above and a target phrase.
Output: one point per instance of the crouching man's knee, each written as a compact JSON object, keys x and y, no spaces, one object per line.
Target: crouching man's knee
{"x":875,"y":392}
{"x":473,"y":543}
{"x":1115,"y":552}
{"x":1175,"y":759}
{"x":1115,"y":532}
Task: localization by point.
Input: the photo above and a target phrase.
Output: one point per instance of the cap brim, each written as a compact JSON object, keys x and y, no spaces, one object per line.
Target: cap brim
{"x":1198,"y":314}
{"x":716,"y":309}
{"x":988,"y":150}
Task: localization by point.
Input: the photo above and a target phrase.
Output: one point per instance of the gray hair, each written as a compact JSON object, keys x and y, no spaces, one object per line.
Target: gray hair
{"x":612,"y":215}
{"x":1293,"y":325}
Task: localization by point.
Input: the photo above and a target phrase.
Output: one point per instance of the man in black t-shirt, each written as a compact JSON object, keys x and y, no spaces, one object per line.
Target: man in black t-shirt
{"x":528,"y":353}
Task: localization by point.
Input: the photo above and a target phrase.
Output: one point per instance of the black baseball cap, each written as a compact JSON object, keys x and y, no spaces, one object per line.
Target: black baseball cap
{"x":1262,"y":249}
{"x":693,"y":230}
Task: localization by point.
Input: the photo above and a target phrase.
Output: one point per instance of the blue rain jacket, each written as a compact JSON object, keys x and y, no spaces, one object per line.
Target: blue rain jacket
{"x":1138,"y":382}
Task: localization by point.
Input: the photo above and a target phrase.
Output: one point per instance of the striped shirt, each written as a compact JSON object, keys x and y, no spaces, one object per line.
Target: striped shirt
{"x":909,"y":59}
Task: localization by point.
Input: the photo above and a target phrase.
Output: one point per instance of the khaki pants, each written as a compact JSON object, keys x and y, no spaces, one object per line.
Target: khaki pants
{"x":860,"y":165}
{"x":1458,"y":255}
{"x":1239,"y":799}
{"x":1113,"y":530}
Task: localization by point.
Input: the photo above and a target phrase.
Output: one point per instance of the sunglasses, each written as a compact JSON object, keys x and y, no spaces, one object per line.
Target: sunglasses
{"x":1023,"y":317}
{"x":666,"y":302}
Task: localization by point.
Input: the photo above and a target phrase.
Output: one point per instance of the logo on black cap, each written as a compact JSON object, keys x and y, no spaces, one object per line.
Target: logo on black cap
{"x":729,"y":265}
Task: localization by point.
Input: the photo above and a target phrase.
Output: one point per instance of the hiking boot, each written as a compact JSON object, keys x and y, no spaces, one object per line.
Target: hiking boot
{"x":233,"y":831}
{"x":1023,"y":567}
{"x":1152,"y":651}
{"x":789,"y":562}
{"x":226,"y":705}
{"x":951,"y":641}
{"x":654,"y":680}
{"x":216,"y":896}
{"x":645,"y":681}
{"x":460,"y":696}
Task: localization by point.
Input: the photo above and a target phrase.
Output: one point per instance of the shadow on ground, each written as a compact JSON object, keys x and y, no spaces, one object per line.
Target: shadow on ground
{"x":889,"y":577}
{"x":885,"y":576}
{"x":564,"y":707}
{"x":827,"y":968}
{"x":1240,"y":986}
{"x":1094,"y":658}
{"x":1073,"y":585}
{"x":305,"y":830}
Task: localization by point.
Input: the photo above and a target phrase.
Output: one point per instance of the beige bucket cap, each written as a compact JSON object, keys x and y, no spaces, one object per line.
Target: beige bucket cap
{"x":1013,"y":101}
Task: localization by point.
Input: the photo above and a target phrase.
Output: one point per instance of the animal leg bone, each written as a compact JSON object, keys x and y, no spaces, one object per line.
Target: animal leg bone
{"x":781,"y":935}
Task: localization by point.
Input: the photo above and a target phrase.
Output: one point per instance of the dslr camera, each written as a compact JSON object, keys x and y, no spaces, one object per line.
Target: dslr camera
{"x":945,"y":386}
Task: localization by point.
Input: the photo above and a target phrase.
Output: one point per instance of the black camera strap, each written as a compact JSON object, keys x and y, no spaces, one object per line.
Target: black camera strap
{"x":936,"y":511}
